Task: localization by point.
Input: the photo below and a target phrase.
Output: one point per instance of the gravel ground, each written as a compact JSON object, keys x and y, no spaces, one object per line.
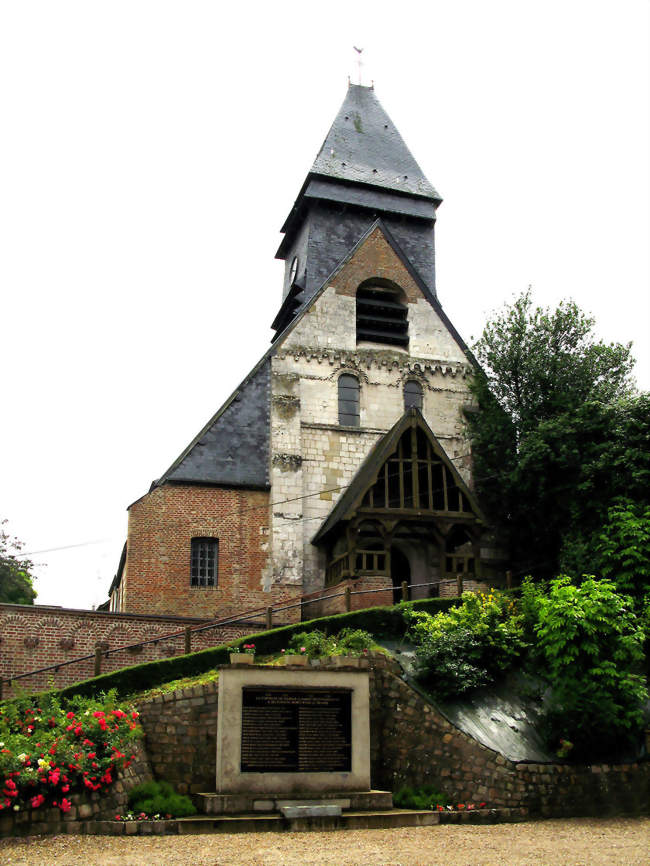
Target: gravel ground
{"x":571,"y":842}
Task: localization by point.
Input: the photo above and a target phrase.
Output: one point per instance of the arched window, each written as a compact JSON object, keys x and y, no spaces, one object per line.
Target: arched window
{"x":413,"y":395}
{"x":381,"y":314}
{"x":204,"y":562}
{"x":348,"y":400}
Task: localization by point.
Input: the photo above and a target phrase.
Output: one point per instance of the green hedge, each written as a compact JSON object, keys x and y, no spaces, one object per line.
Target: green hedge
{"x":381,"y":622}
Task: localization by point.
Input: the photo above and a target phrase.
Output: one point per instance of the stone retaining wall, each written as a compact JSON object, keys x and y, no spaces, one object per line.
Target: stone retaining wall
{"x":411,"y":743}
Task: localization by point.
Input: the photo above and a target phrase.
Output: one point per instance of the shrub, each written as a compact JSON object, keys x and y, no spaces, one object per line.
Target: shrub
{"x":51,"y":748}
{"x":314,"y":643}
{"x":425,"y":797}
{"x":353,"y":641}
{"x":590,"y":650}
{"x":470,"y":645}
{"x":159,"y":798}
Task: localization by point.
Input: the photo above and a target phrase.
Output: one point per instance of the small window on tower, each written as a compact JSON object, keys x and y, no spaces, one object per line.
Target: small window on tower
{"x":348,"y":400}
{"x":413,"y":395}
{"x":204,"y":562}
{"x":381,"y":314}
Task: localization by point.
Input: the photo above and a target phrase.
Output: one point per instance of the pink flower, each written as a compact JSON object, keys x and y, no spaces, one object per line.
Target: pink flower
{"x":303,"y":649}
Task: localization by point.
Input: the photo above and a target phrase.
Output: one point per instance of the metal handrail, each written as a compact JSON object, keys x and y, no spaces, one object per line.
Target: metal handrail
{"x":232,"y":620}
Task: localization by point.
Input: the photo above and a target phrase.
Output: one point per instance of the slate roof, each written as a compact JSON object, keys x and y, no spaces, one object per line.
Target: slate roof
{"x":233,"y":447}
{"x":363,"y":146}
{"x":366,"y":475}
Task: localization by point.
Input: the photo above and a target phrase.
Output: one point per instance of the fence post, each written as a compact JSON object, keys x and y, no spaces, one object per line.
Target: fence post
{"x":188,"y":640}
{"x":98,"y":659}
{"x":269,"y":618}
{"x":459,"y":579}
{"x":405,"y":591}
{"x":348,"y":599}
{"x":508,"y":580}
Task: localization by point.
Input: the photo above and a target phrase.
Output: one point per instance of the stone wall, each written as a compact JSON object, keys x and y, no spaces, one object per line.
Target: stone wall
{"x":34,"y":637}
{"x":313,"y":458}
{"x":411,"y":744}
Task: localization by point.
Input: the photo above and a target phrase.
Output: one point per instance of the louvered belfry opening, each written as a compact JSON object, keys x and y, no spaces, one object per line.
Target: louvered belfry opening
{"x":381,"y":315}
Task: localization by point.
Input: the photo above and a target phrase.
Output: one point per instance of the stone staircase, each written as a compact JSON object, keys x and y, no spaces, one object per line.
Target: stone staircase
{"x":249,"y":813}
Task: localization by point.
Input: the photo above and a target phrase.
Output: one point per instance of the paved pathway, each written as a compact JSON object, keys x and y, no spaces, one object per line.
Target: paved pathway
{"x":572,"y":842}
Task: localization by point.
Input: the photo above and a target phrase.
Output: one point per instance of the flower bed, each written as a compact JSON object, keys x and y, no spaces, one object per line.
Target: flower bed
{"x":50,"y":750}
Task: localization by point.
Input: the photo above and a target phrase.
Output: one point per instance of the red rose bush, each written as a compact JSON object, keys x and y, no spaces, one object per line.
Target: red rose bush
{"x":49,"y":751}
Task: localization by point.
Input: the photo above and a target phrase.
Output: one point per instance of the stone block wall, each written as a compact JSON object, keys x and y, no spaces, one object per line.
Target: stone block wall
{"x":411,"y":743}
{"x":313,"y":459}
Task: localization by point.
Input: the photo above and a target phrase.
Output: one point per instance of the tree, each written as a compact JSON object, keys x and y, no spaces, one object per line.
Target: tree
{"x":558,"y":434}
{"x":15,"y":571}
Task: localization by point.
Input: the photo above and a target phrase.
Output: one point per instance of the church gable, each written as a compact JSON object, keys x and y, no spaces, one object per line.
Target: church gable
{"x":406,"y":474}
{"x":406,"y":504}
{"x":345,"y":315}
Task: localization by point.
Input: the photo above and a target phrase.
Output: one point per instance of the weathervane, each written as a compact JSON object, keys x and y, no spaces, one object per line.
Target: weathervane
{"x":359,"y":61}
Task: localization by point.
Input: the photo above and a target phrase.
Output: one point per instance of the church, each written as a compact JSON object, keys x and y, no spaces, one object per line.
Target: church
{"x":341,"y":460}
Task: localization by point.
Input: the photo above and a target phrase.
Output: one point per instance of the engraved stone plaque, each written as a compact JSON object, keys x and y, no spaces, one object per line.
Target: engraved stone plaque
{"x":304,"y":730}
{"x":283,"y":731}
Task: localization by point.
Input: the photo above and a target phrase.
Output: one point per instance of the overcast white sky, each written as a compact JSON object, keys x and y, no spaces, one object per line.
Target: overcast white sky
{"x":150,"y":151}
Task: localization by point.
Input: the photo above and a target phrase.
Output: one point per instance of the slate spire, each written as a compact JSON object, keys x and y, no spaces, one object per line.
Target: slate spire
{"x":363,"y":172}
{"x":364,"y":146}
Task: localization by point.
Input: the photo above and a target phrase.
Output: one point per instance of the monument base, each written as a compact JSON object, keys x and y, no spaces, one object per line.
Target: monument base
{"x":235,"y":804}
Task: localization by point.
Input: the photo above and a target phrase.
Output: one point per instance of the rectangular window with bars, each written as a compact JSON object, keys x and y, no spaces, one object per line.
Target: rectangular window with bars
{"x":204,"y":562}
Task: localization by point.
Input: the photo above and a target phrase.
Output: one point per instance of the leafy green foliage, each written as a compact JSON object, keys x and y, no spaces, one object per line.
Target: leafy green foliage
{"x":159,"y":798}
{"x":623,"y":547}
{"x":557,"y":435}
{"x":424,"y":797}
{"x":15,"y":571}
{"x":316,"y":644}
{"x":469,"y":646}
{"x":590,"y":650}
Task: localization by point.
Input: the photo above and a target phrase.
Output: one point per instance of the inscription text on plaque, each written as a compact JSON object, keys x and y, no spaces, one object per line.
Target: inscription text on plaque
{"x":296,"y":730}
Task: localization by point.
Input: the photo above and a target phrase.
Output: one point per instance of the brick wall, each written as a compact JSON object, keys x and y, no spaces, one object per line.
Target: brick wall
{"x":33,"y":637}
{"x":162,"y":524}
{"x":363,"y":594}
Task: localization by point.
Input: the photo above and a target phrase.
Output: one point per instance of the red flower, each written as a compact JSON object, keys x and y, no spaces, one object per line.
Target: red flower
{"x":481,"y":805}
{"x":69,"y":715}
{"x":37,"y":801}
{"x":65,"y":805}
{"x":460,"y":806}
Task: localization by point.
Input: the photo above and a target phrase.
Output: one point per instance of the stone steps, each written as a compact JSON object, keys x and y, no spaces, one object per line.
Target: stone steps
{"x":235,"y":804}
{"x":348,"y":820}
{"x":256,"y":822}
